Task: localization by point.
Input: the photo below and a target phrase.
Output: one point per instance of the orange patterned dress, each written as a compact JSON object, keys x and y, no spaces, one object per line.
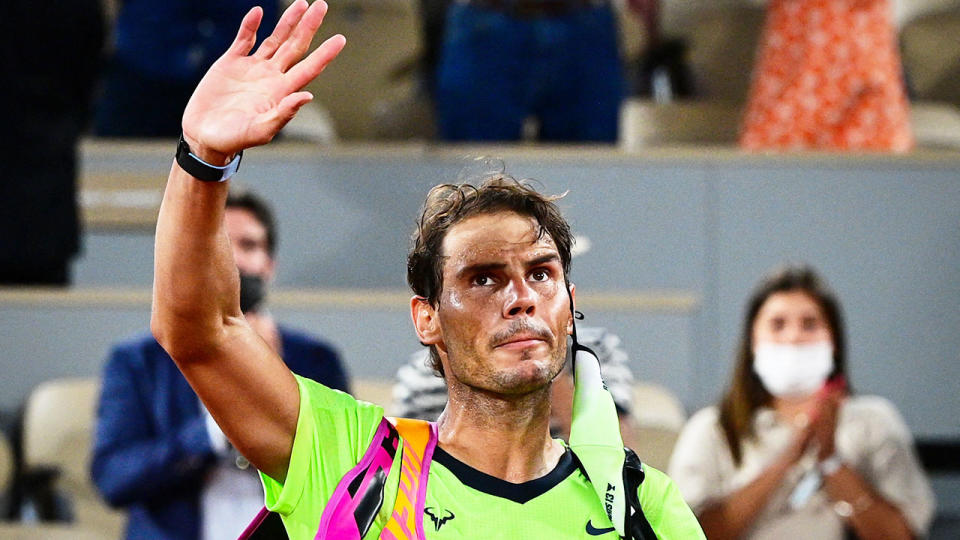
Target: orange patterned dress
{"x":828,"y":77}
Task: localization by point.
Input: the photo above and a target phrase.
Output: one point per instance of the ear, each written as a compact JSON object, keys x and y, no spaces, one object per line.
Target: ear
{"x":573,"y":298}
{"x":425,"y":320}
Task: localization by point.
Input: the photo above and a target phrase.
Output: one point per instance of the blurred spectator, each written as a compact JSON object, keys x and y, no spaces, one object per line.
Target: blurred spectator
{"x":432,"y":14}
{"x":506,"y":61}
{"x":789,"y":452}
{"x":828,"y":76}
{"x":419,"y":392}
{"x":50,"y":56}
{"x":161,"y":50}
{"x":662,"y":71}
{"x":157,"y":451}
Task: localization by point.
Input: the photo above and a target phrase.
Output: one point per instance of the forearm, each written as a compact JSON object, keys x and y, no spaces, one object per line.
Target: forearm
{"x":731,"y":516}
{"x":243,"y":101}
{"x":870,"y":515}
{"x":196,"y":285}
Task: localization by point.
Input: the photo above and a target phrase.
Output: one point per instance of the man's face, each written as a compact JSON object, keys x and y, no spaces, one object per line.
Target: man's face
{"x":248,"y":238}
{"x":503,"y":314}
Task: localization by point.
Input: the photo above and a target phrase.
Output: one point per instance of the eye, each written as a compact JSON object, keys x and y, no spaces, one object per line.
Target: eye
{"x":540,"y":275}
{"x":482,"y":280}
{"x":810,"y":323}
{"x":777,"y":323}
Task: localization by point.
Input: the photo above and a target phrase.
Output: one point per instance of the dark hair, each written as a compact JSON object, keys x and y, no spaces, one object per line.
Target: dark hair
{"x":449,"y":204}
{"x":253,"y":203}
{"x":746,"y":392}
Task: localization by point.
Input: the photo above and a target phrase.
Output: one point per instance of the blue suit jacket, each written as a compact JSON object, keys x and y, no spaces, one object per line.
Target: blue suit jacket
{"x":151,"y":449}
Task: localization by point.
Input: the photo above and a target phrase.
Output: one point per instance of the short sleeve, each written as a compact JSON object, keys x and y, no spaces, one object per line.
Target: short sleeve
{"x":665,"y":510}
{"x":892,"y":464}
{"x":695,"y":465}
{"x":333,"y":432}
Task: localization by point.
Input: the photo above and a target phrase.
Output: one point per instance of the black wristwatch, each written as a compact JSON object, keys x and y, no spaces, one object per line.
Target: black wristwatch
{"x":202,"y":170}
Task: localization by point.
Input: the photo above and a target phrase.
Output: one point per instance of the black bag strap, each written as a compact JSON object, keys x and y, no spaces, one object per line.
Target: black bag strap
{"x":636,"y":524}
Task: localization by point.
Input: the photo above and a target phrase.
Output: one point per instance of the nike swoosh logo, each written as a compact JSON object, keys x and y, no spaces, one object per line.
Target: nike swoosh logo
{"x":593,"y":531}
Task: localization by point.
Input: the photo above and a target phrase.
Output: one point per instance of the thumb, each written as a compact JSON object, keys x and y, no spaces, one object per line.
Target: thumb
{"x":290,"y":105}
{"x":271,"y":124}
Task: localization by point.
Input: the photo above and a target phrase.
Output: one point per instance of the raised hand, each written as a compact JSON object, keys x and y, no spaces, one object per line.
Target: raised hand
{"x":244,"y":100}
{"x":825,"y":420}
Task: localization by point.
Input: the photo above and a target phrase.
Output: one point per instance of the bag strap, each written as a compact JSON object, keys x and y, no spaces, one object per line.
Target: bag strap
{"x":419,"y":441}
{"x":358,"y":497}
{"x":636,"y":525}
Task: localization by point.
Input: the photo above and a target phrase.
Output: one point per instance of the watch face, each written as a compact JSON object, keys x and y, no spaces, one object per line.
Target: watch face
{"x":843,"y":509}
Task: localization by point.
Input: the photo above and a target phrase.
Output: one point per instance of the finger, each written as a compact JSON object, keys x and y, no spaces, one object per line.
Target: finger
{"x":291,"y":16}
{"x":297,"y":44}
{"x":247,"y":35}
{"x":311,"y":66}
{"x":284,"y":112}
{"x":288,"y":106}
{"x":266,"y":126}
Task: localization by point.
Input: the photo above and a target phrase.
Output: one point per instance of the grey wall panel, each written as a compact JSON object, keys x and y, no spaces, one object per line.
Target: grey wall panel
{"x":346,"y":222}
{"x":40,"y":343}
{"x":115,"y":259}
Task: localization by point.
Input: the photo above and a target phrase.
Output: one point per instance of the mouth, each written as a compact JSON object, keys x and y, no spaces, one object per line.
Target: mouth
{"x":521,"y":335}
{"x":521,"y":340}
{"x":521,"y":343}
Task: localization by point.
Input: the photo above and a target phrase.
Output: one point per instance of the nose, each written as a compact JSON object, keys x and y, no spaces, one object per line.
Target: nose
{"x":521,"y":299}
{"x":792,"y":333}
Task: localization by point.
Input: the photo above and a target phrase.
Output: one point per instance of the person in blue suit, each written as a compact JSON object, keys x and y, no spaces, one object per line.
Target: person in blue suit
{"x":157,"y":451}
{"x":160,"y":50}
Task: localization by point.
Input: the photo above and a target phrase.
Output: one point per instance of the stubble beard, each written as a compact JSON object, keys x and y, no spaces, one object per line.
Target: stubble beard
{"x":477,"y":369}
{"x":518,"y":378}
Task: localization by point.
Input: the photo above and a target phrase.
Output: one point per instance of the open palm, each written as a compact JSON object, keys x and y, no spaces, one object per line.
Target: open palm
{"x":245,"y":99}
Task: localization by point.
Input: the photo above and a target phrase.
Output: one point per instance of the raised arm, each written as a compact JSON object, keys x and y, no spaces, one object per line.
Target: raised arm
{"x":243,"y":101}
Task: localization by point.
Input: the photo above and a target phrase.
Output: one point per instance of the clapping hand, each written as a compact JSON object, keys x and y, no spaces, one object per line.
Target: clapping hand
{"x":819,"y":424}
{"x":245,"y":99}
{"x":825,"y":415}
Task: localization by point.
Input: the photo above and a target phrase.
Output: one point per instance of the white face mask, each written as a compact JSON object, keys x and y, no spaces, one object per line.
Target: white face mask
{"x":793,"y":371}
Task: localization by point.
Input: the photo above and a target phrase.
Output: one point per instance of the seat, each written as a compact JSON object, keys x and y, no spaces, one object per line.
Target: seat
{"x":6,"y":464}
{"x":656,"y":406}
{"x":723,"y":41}
{"x":376,"y":391}
{"x":658,"y":417}
{"x":930,"y":47}
{"x":46,"y":531}
{"x":7,"y":472}
{"x":58,"y":426}
{"x":382,"y":36}
{"x":654,"y":445}
{"x":645,"y":123}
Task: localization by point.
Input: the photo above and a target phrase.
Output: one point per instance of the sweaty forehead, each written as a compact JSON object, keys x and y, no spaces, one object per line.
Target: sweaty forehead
{"x":494,"y":237}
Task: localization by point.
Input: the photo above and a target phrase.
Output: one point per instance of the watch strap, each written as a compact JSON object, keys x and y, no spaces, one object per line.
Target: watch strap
{"x":830,"y":465}
{"x":202,"y":170}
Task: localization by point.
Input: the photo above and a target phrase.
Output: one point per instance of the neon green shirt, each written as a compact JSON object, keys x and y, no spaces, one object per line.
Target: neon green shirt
{"x":334,"y":430}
